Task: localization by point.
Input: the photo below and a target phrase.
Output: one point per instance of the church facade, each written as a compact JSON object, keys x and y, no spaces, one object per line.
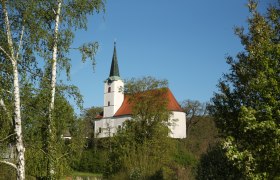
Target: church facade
{"x":117,"y":109}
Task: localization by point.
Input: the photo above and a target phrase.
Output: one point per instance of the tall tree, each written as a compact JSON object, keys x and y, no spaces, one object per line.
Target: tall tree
{"x":15,"y":50}
{"x":88,"y":116}
{"x":45,"y":28}
{"x":246,"y":109}
{"x":58,"y":19}
{"x":142,"y":148}
{"x":34,"y":114}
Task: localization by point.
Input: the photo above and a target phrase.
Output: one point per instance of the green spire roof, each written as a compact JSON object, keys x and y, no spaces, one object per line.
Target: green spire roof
{"x":114,"y":71}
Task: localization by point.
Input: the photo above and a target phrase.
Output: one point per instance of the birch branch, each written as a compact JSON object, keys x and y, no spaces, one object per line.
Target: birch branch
{"x":30,"y":71}
{"x":20,"y":41}
{"x":62,"y":156}
{"x":5,"y":52}
{"x":5,"y":109}
{"x":9,"y":163}
{"x":1,"y":140}
{"x":7,"y":91}
{"x":3,"y":105}
{"x":8,"y":32}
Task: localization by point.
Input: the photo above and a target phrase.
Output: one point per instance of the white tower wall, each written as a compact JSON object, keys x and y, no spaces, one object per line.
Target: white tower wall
{"x":113,"y":99}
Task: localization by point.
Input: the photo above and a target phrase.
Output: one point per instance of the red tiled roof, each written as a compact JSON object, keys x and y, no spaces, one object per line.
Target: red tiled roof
{"x":126,"y":107}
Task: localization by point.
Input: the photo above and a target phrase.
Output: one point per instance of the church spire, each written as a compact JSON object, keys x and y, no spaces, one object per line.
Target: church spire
{"x":114,"y":71}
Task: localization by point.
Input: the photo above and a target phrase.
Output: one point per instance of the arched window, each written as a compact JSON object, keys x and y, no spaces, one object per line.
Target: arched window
{"x":100,"y":130}
{"x":109,"y":89}
{"x":109,"y":103}
{"x":119,"y":127}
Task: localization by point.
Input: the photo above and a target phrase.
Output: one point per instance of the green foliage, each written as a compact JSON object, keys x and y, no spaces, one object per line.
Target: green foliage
{"x":91,"y":160}
{"x":83,"y":175}
{"x":247,"y":108}
{"x":215,"y":165}
{"x":142,"y":149}
{"x":35,"y":115}
{"x":73,"y":16}
{"x":202,"y":135}
{"x":123,"y":158}
{"x":136,"y":85}
{"x":7,"y":172}
{"x":32,"y":26}
{"x":88,"y":116}
{"x":194,"y":111}
{"x":185,"y":158}
{"x":189,"y":152}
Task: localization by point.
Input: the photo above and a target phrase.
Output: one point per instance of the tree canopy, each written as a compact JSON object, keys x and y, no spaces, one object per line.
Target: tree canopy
{"x":142,"y":148}
{"x":247,"y":108}
{"x":32,"y":31}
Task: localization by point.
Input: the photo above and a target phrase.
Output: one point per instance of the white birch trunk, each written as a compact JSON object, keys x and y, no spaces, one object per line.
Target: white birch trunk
{"x":53,"y":88}
{"x":17,"y":113}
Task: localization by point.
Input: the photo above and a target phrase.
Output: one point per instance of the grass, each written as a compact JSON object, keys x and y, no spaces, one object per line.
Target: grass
{"x":83,"y":174}
{"x":76,"y":173}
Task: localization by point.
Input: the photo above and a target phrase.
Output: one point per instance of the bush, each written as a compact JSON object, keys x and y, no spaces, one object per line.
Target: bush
{"x":7,"y":172}
{"x":91,"y":161}
{"x":214,"y":165}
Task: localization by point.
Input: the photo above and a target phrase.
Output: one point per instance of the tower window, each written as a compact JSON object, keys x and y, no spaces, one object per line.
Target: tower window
{"x":109,"y":103}
{"x":109,"y":89}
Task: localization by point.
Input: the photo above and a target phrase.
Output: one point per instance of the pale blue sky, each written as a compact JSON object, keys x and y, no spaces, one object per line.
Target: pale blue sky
{"x":183,"y":41}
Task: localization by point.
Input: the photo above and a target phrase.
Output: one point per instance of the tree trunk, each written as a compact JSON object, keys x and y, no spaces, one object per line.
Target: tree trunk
{"x":51,"y":139}
{"x":17,"y":113}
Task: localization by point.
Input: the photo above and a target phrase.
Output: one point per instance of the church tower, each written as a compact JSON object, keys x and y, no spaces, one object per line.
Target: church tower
{"x":113,"y":88}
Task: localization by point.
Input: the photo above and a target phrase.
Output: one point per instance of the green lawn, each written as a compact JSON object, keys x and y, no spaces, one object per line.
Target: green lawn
{"x":83,"y":174}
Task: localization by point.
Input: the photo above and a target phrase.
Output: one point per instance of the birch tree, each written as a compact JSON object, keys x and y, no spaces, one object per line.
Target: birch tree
{"x":11,"y":48}
{"x":11,"y":53}
{"x":58,"y":19}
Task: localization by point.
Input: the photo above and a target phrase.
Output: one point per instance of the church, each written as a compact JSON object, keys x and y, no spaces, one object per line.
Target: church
{"x":117,"y":109}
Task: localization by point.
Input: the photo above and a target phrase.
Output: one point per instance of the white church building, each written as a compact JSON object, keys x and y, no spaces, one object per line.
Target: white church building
{"x":117,"y":109}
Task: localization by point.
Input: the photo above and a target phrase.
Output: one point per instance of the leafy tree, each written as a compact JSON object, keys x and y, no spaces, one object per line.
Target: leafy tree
{"x":246,"y":109}
{"x":215,"y":165}
{"x":45,"y":29}
{"x":94,"y":155}
{"x":15,"y":54}
{"x":88,"y":116}
{"x":142,"y":149}
{"x":35,"y":130}
{"x":55,"y":37}
{"x":194,"y":111}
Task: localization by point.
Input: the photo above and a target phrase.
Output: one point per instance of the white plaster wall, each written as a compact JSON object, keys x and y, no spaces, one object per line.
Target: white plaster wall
{"x":115,"y":97}
{"x":109,"y":126}
{"x":178,"y":127}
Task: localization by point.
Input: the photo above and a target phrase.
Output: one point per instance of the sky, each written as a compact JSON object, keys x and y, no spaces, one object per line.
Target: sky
{"x":183,"y":41}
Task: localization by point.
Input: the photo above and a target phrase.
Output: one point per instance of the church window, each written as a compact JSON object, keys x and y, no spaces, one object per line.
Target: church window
{"x":100,"y":130}
{"x":109,"y":103}
{"x":109,"y":89}
{"x":119,"y":127}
